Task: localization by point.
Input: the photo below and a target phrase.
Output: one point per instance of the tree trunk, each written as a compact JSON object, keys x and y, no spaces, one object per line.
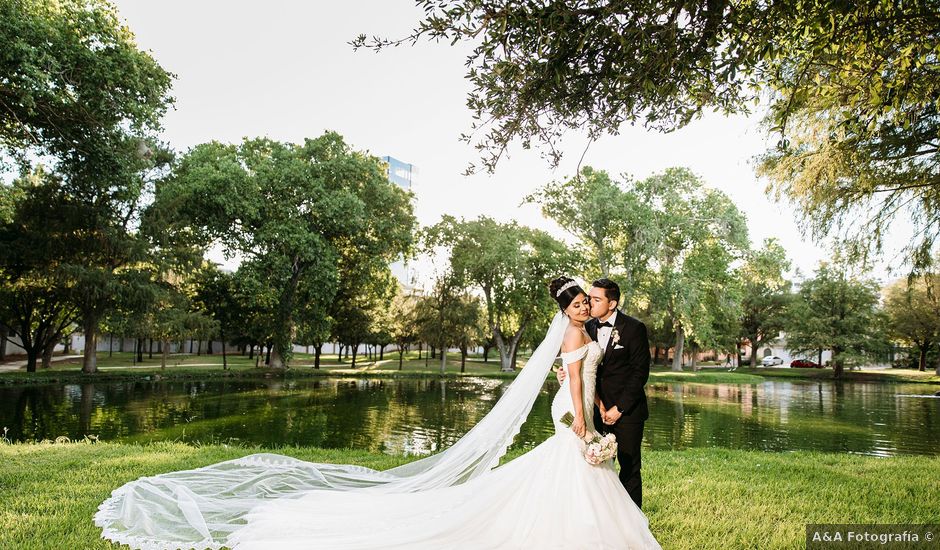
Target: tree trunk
{"x":339,"y":356}
{"x":463,"y":359}
{"x":754,"y":345}
{"x":47,"y":353}
{"x":224,"y":356}
{"x":199,"y":349}
{"x":90,"y":359}
{"x":317,"y":350}
{"x":4,"y":334}
{"x":693,"y":351}
{"x":922,"y":363}
{"x":382,"y":353}
{"x":140,"y":350}
{"x":837,"y":366}
{"x":677,"y":355}
{"x":111,"y":344}
{"x":433,"y":352}
{"x":150,"y":349}
{"x":267,"y":356}
{"x":486,"y":354}
{"x":443,"y":360}
{"x":401,"y":357}
{"x":164,"y":353}
{"x":505,"y":353}
{"x":209,"y":350}
{"x":276,"y":359}
{"x":420,"y":349}
{"x":32,"y":355}
{"x":355,"y":350}
{"x":190,"y":346}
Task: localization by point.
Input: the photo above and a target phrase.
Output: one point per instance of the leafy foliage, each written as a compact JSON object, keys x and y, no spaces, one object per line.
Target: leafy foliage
{"x":510,"y":265}
{"x":913,"y":311}
{"x":306,"y":219}
{"x":837,"y":312}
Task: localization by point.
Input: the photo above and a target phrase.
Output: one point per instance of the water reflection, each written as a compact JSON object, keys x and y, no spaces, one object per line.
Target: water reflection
{"x":421,"y":416}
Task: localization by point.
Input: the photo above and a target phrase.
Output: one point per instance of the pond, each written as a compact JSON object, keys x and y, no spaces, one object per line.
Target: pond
{"x":421,"y":416}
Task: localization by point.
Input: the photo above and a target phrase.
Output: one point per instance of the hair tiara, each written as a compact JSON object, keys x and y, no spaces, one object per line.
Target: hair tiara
{"x":565,"y":287}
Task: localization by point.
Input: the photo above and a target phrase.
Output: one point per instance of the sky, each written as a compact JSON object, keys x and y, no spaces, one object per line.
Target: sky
{"x":285,"y":70}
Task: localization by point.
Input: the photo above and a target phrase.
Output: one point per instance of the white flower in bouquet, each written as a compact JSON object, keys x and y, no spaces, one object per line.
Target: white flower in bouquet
{"x":597,"y":448}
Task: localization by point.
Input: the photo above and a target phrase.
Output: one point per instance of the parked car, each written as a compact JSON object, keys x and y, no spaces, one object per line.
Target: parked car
{"x":771,"y":360}
{"x":804,"y":364}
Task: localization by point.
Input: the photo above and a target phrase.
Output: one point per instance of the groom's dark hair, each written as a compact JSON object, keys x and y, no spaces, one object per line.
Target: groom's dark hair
{"x":611,"y":289}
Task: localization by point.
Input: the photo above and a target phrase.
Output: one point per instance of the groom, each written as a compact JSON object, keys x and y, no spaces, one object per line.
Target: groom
{"x":621,"y":375}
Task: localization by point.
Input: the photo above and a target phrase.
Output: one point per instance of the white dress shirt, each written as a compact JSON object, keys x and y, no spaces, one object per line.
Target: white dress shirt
{"x":603,"y":333}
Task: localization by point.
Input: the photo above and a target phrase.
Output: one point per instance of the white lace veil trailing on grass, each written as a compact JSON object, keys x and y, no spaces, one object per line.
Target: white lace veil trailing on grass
{"x":201,"y":508}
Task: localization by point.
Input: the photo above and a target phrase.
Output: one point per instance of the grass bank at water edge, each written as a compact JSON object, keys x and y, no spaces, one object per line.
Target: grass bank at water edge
{"x":695,"y":498}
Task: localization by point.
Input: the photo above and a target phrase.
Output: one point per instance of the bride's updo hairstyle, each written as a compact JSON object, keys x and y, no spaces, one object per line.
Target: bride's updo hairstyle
{"x":564,"y":290}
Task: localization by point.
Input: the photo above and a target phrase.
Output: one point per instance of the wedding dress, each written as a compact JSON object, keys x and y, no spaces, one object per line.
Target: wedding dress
{"x":549,"y":497}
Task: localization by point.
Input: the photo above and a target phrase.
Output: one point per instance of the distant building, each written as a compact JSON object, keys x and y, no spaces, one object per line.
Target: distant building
{"x":403,"y":175}
{"x":400,"y":173}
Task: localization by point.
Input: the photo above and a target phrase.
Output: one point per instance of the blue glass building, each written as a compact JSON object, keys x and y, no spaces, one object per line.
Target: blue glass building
{"x":399,"y":172}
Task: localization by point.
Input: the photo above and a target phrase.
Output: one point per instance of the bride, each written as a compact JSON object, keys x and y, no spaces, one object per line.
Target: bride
{"x":550,"y":497}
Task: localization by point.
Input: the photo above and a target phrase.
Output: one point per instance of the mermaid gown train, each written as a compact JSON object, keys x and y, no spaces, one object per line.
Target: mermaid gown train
{"x":549,"y":497}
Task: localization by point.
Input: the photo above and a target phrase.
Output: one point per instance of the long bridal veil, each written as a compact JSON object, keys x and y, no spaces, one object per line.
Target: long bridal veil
{"x":201,"y":508}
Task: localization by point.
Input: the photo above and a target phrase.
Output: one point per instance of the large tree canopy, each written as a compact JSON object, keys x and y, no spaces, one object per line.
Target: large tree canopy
{"x":837,"y":311}
{"x":610,"y":220}
{"x":766,"y":295}
{"x":913,"y":311}
{"x":510,"y":265}
{"x":69,"y":73}
{"x":301,"y":216}
{"x":851,"y":88}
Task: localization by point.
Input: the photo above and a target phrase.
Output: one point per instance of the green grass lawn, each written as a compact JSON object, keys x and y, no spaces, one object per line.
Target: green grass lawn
{"x":121,"y":366}
{"x":902,"y":376}
{"x":695,"y":498}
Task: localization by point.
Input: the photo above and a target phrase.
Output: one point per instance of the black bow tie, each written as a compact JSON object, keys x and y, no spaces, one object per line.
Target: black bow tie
{"x":604,"y":324}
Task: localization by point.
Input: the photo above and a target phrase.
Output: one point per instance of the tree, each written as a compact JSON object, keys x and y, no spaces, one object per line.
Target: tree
{"x":699,"y":233}
{"x":295,"y":211}
{"x":467,"y":324}
{"x":608,"y":220}
{"x":538,"y":69}
{"x":854,"y":108}
{"x":837,"y":312}
{"x":79,"y":96}
{"x":913,"y":311}
{"x":169,"y":317}
{"x":766,"y":294}
{"x":37,"y":289}
{"x":404,"y":327}
{"x":71,"y":74}
{"x":510,"y":265}
{"x":215,"y":296}
{"x":851,"y":89}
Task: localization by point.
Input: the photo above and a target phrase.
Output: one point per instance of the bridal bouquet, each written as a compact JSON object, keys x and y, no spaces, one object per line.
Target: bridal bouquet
{"x":598,"y":448}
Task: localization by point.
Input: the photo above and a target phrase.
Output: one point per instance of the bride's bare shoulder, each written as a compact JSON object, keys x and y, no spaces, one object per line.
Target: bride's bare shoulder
{"x":574,"y":339}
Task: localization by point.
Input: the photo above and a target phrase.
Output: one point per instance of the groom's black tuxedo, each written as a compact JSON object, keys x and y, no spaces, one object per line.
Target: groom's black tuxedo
{"x":621,"y":375}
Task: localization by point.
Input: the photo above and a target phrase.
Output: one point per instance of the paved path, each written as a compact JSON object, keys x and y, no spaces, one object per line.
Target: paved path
{"x":17,"y":365}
